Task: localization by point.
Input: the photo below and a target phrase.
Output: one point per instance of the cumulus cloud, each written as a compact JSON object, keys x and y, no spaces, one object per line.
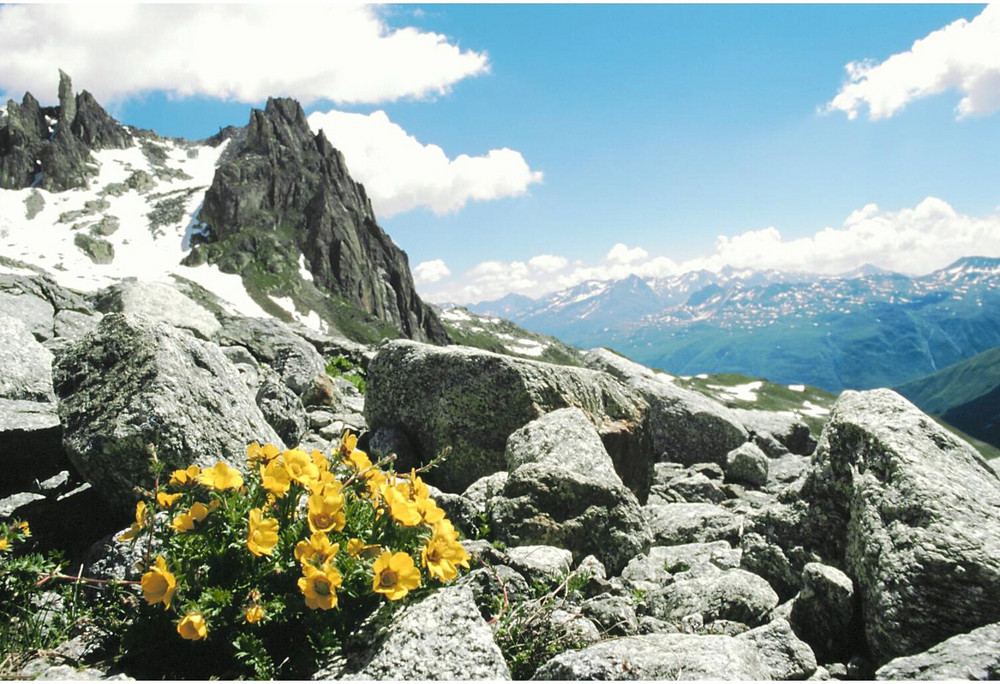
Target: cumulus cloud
{"x":430,"y":271}
{"x":546,"y":273}
{"x":914,"y":240}
{"x":621,"y":254}
{"x":345,"y":53}
{"x":962,"y":56}
{"x":400,"y":173}
{"x":548,"y":263}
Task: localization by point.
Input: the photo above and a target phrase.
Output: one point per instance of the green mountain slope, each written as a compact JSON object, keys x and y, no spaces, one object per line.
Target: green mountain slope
{"x":965,"y":395}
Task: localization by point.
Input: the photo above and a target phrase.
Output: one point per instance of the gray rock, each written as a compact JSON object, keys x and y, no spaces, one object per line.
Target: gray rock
{"x":30,"y":444}
{"x":685,"y":426}
{"x":283,"y":410}
{"x":571,"y":626}
{"x":33,"y":311}
{"x":786,"y":427}
{"x":825,"y":612}
{"x":540,"y":561}
{"x":565,"y":492}
{"x":685,"y":523}
{"x":441,"y":637}
{"x":687,"y":488}
{"x":10,"y":504}
{"x":748,"y":465}
{"x":494,"y":588}
{"x":919,"y":509}
{"x":613,"y":615}
{"x":973,"y":656}
{"x":160,"y":302}
{"x":99,"y":251}
{"x":658,"y":656}
{"x":784,"y":655}
{"x":734,"y":595}
{"x":134,"y":382}
{"x":74,"y":324}
{"x":25,"y":365}
{"x":276,"y":344}
{"x":472,"y":400}
{"x":389,"y":441}
{"x":657,"y":567}
{"x":486,"y":488}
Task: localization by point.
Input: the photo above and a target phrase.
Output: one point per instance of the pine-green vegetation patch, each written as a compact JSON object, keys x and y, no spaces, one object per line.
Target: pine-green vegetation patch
{"x":169,"y":210}
{"x":343,"y":367}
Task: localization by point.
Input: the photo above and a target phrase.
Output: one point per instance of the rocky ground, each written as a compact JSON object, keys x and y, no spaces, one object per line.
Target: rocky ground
{"x":622,"y":525}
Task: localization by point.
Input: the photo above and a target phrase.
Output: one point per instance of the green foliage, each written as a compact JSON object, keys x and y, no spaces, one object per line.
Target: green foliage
{"x":342,"y":367}
{"x":526,"y":631}
{"x":38,"y":611}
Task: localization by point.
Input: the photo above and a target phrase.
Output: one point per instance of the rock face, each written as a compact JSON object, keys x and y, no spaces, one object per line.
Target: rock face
{"x":659,"y":656}
{"x":825,"y":612}
{"x":285,"y":191}
{"x":135,"y":382}
{"x":471,"y":401}
{"x":562,"y":490}
{"x":921,"y":510}
{"x":441,"y":637}
{"x":685,"y":426}
{"x":974,"y":656}
{"x":49,"y":147}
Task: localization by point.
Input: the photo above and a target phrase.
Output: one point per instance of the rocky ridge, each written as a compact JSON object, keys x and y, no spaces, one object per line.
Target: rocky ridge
{"x":688,"y":540}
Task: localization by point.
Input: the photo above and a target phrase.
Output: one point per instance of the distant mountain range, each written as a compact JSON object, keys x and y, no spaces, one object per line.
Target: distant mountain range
{"x":868,"y":328}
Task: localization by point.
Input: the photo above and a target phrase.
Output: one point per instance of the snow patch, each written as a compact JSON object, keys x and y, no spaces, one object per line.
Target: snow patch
{"x":311,"y":320}
{"x":455,"y":315}
{"x":747,"y":392}
{"x":814,"y":411}
{"x":304,"y":271}
{"x":526,"y":348}
{"x":797,"y":388}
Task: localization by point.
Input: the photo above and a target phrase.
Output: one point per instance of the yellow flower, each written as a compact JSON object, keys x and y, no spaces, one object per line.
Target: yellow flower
{"x":300,"y":467}
{"x":254,"y":614}
{"x":192,"y":627}
{"x":402,"y":509}
{"x":317,"y":547}
{"x":164,"y":500}
{"x":357,"y":548}
{"x":429,"y":510}
{"x":442,"y":555}
{"x":319,"y":460}
{"x":358,"y":460}
{"x":24,"y":528}
{"x":186,"y":477}
{"x":348,"y":443}
{"x":319,"y":586}
{"x":221,"y":477}
{"x":395,"y":575}
{"x":4,"y":544}
{"x":274,"y":478}
{"x":326,"y":513}
{"x":264,"y":454}
{"x":159,"y":584}
{"x":141,"y":520}
{"x":185,"y":522}
{"x":263,"y":534}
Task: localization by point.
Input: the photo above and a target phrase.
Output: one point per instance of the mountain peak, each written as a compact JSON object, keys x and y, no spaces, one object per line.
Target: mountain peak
{"x":50,"y":147}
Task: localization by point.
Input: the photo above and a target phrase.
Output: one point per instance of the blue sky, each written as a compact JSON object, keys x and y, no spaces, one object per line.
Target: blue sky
{"x":626,"y":138}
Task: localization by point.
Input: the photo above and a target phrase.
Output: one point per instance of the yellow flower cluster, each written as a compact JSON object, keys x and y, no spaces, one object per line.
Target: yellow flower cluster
{"x":349,"y":526}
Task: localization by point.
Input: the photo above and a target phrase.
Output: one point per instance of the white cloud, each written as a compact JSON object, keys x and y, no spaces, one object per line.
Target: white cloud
{"x":962,"y":56}
{"x":915,"y":240}
{"x":621,"y":254}
{"x":342,"y":52}
{"x":919,"y":240}
{"x":400,"y":173}
{"x":430,"y":271}
{"x":548,"y":263}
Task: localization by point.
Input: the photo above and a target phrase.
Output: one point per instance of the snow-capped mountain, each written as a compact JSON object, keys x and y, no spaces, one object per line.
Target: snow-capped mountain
{"x":863,"y":329}
{"x":266,"y":217}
